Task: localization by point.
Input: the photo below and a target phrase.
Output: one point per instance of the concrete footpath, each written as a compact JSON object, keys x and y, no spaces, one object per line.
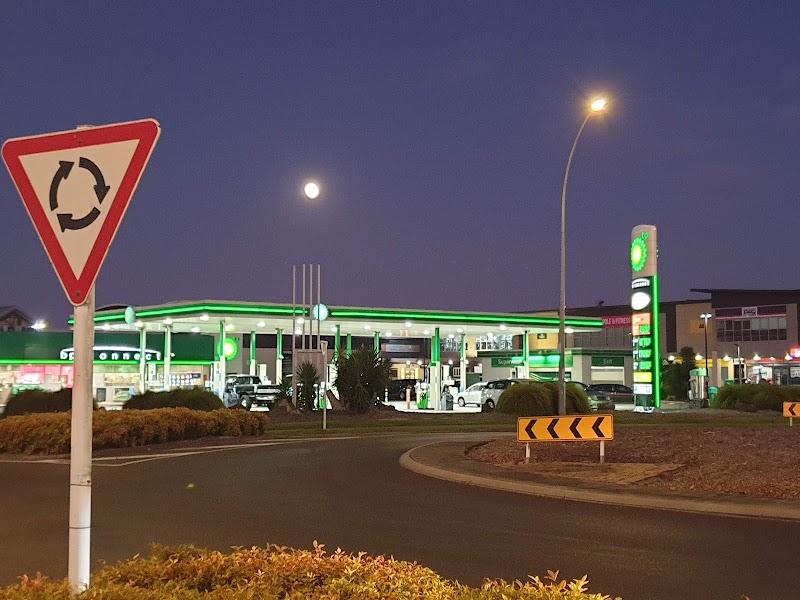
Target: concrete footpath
{"x":447,"y":460}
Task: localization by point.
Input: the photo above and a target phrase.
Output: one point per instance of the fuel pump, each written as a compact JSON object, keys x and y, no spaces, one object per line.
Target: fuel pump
{"x":697,"y":385}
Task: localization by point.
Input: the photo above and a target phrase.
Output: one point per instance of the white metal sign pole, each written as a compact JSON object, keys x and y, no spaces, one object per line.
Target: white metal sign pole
{"x":325,"y":352}
{"x":80,"y":475}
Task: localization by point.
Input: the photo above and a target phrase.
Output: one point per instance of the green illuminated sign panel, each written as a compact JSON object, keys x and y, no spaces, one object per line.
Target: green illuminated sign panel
{"x":537,"y":360}
{"x":608,"y":361}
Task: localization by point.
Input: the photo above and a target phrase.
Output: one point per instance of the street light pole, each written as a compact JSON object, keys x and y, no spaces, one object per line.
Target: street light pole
{"x":706,"y":317}
{"x":597,"y":106}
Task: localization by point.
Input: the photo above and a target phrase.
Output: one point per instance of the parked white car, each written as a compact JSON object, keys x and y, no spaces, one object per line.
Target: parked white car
{"x":471,"y":395}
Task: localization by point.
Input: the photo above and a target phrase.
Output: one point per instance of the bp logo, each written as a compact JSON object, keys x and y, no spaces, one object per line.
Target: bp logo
{"x":639,"y":253}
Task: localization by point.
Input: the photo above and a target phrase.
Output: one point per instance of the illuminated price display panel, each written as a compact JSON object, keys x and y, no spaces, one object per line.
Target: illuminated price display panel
{"x":645,"y":326}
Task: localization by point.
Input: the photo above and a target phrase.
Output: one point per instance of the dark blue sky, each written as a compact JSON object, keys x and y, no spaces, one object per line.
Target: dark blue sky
{"x":439,"y":132}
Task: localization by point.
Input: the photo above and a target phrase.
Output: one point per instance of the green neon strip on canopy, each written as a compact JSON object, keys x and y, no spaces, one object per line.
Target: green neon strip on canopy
{"x":353,"y":313}
{"x":344,"y":313}
{"x":202,"y":308}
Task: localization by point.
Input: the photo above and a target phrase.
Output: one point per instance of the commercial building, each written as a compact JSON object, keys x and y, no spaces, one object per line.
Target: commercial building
{"x":752,"y":335}
{"x":30,"y":359}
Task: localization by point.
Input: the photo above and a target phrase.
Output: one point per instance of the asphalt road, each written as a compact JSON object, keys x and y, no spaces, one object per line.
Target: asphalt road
{"x":351,"y":493}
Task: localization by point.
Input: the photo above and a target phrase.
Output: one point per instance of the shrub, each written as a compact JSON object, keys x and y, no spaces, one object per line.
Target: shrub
{"x":525,"y":400}
{"x":195,"y":399}
{"x":50,"y":433}
{"x":749,"y":397}
{"x":275,"y":572}
{"x":361,"y":378}
{"x":541,"y":399}
{"x":39,"y":401}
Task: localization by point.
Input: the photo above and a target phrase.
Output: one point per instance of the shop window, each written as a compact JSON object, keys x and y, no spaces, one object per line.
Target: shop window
{"x":450,"y":345}
{"x":495,"y":342}
{"x":751,"y":330}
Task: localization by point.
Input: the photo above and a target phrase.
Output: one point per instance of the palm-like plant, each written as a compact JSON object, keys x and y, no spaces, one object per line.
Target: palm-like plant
{"x":307,"y":382}
{"x":361,"y":378}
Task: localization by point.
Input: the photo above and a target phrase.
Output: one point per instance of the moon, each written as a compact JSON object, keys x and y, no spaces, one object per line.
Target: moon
{"x":311,"y":190}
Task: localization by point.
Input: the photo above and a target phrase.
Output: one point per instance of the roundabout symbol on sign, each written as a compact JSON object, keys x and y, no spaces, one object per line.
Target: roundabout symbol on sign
{"x":66,"y":220}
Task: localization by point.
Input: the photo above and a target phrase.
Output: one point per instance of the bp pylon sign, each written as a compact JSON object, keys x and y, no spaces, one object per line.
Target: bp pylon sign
{"x":645,"y":319}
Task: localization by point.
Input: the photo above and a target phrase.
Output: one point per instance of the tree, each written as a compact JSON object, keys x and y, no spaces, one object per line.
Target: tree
{"x":676,"y":376}
{"x":361,"y":378}
{"x":307,"y":385}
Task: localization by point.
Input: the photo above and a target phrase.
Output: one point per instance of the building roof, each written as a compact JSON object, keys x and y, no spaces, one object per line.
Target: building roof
{"x":610,"y":309}
{"x":205,"y":316}
{"x":742,"y":291}
{"x":7,"y":311}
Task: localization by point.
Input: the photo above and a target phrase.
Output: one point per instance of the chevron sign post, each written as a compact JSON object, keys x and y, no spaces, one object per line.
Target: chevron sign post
{"x":791,"y":410}
{"x":575,"y":428}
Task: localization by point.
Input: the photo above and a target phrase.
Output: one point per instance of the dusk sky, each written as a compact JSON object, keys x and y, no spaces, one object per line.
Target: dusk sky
{"x":439,"y":133}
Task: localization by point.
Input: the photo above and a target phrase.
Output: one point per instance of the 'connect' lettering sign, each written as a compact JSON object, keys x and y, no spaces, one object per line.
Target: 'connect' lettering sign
{"x":113,"y":353}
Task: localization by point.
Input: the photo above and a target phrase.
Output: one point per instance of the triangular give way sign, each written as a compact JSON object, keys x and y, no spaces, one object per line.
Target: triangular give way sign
{"x":76,"y":186}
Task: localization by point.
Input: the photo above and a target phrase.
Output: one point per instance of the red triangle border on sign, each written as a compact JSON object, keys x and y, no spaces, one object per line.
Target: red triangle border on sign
{"x":78,"y":285}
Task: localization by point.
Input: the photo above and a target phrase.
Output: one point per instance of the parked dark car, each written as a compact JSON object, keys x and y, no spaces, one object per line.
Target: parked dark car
{"x":397,"y":390}
{"x":611,"y":392}
{"x":247,"y":391}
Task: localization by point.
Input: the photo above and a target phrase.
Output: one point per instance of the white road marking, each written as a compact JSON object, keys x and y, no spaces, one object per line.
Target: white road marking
{"x":123,"y":461}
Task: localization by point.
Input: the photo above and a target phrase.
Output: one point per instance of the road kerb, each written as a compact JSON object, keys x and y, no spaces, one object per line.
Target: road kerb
{"x":758,"y":509}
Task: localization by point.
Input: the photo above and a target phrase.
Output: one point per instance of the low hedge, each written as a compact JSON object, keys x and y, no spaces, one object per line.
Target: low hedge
{"x":50,"y":433}
{"x":188,"y":573}
{"x":194,"y":398}
{"x":752,"y":397}
{"x":38,"y":401}
{"x":541,"y":399}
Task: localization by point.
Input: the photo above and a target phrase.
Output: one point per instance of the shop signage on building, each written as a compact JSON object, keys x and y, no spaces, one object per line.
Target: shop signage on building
{"x":617,"y":321}
{"x":23,"y":347}
{"x":749,"y":312}
{"x":608,"y":361}
{"x":113,"y":353}
{"x":645,"y":327}
{"x":537,"y":360}
{"x":409,"y":348}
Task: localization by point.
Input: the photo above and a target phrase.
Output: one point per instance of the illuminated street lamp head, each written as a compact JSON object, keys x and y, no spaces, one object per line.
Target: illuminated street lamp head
{"x":599,"y":104}
{"x":39,"y":325}
{"x":311,"y":190}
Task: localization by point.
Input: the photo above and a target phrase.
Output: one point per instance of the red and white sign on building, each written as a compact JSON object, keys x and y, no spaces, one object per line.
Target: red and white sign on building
{"x":617,"y":321}
{"x":76,"y":186}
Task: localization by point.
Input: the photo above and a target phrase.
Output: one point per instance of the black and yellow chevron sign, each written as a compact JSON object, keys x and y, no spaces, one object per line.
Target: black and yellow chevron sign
{"x":791,"y":409}
{"x":573,"y":428}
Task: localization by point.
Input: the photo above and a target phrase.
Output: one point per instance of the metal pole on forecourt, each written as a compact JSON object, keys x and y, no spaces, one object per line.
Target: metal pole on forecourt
{"x":80,"y":470}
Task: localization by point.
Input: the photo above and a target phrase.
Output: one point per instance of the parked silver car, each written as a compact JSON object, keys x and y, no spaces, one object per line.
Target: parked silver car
{"x":491,"y":393}
{"x":472,"y":395}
